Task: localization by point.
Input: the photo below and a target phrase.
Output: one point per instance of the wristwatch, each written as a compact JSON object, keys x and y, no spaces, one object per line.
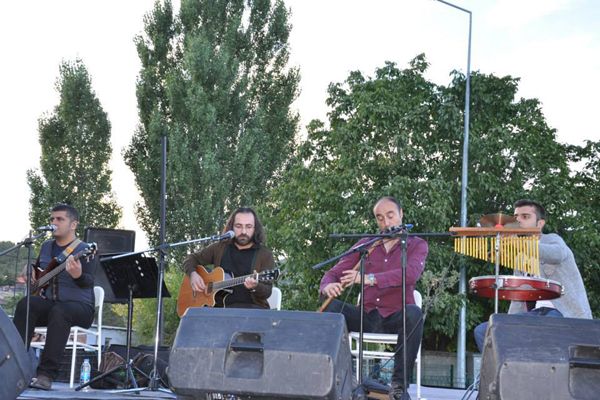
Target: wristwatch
{"x":371,"y":278}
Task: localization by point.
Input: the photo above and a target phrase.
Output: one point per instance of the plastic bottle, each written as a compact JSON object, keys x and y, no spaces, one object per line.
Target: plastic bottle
{"x":86,"y":371}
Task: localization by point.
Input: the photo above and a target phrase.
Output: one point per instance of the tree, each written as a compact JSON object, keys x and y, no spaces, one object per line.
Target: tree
{"x":215,"y":81}
{"x":75,"y":142}
{"x":12,"y":263}
{"x":399,"y":134}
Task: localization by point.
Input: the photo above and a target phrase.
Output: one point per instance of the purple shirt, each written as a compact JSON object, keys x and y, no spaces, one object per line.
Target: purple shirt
{"x":386,"y":295}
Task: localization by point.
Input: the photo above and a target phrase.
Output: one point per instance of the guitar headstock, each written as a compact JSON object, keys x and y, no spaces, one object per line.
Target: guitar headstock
{"x":269,"y":276}
{"x":89,"y":251}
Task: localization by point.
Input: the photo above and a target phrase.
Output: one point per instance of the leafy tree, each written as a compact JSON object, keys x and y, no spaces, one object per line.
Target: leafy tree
{"x":215,"y":81}
{"x":399,"y":134}
{"x":75,"y":142}
{"x":7,"y":263}
{"x":582,"y":214}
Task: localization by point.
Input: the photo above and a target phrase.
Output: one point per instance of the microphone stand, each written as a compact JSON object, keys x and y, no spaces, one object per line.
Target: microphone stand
{"x":27,"y":242}
{"x":162,"y":249}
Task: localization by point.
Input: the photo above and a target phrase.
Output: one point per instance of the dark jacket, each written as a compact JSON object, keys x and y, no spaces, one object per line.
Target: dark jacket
{"x":213,"y":255}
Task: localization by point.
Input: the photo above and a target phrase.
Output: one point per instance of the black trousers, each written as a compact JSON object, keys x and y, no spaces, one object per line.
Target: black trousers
{"x":58,"y":317}
{"x":375,"y":323}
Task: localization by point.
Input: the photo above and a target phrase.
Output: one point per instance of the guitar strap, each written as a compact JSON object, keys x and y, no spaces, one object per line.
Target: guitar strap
{"x":61,"y":259}
{"x":68,"y":250}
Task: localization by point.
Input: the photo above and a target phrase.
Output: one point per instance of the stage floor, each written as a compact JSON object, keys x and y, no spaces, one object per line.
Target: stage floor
{"x":62,"y":391}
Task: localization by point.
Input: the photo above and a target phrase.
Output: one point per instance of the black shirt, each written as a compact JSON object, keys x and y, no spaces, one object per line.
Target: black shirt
{"x":238,"y":263}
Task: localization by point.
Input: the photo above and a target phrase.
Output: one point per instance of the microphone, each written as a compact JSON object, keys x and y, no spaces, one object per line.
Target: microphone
{"x":399,"y":228}
{"x":46,"y":228}
{"x":226,"y":235}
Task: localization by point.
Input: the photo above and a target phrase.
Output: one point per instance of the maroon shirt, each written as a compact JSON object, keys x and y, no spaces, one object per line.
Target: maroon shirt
{"x":386,"y":295}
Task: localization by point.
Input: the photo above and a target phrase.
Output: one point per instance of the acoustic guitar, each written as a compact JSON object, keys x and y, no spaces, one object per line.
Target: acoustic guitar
{"x":43,"y":276}
{"x":216,"y":280}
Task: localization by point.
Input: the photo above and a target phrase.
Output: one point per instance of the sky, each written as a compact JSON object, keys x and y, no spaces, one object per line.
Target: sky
{"x":553,"y":46}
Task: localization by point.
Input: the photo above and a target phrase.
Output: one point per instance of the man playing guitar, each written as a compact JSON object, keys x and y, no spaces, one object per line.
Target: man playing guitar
{"x":67,"y":299}
{"x":242,"y":255}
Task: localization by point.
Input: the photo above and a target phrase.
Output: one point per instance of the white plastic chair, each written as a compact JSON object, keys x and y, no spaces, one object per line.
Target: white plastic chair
{"x":275,"y":299}
{"x":72,"y":343}
{"x":385,"y":338}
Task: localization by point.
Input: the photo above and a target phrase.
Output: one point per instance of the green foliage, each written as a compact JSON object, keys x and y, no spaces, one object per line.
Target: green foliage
{"x":581,"y":213}
{"x":214,"y":81}
{"x":399,"y":134}
{"x":75,"y":143}
{"x":144,"y":315}
{"x":8,"y":267}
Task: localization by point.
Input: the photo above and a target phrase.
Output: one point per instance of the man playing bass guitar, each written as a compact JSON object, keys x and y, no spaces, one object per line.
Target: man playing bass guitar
{"x":242,"y":255}
{"x":66,"y":300}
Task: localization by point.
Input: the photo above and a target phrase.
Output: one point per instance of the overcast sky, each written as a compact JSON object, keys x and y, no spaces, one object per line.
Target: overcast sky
{"x":552,"y":45}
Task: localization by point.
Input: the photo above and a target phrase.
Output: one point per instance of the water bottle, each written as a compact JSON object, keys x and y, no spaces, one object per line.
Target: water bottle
{"x":84,"y":375}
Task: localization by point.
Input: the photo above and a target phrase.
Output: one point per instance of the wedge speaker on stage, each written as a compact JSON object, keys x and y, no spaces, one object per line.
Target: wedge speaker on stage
{"x":261,"y":354}
{"x":532,"y":357}
{"x":15,"y":365}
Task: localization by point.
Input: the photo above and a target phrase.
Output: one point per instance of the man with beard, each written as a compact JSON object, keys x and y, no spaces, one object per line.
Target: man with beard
{"x":242,"y":255}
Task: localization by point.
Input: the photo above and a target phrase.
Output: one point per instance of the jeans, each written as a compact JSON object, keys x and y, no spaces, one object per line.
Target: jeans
{"x":480,"y":330}
{"x":59,"y":317}
{"x":374,"y":322}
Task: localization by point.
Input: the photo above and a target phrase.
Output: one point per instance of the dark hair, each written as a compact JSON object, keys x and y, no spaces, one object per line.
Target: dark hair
{"x":259,"y":232}
{"x":392,"y":199}
{"x":540,"y":211}
{"x":72,"y":212}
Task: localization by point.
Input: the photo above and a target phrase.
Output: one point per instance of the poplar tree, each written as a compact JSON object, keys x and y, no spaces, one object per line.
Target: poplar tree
{"x":216,"y":83}
{"x":75,"y":151}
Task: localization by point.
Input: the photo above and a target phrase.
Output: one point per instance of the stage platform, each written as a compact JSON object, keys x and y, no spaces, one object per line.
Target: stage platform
{"x":62,"y":391}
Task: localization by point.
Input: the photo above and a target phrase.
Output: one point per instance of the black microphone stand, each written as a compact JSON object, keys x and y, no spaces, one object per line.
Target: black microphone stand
{"x":162,"y":249}
{"x":27,"y":242}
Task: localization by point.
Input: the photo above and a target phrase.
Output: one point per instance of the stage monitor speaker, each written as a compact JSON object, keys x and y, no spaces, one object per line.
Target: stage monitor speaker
{"x":261,"y":354}
{"x":110,"y":242}
{"x":15,"y":364}
{"x":532,"y":357}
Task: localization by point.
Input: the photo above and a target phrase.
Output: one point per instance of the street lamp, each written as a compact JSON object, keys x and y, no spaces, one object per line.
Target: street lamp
{"x":462,"y":283}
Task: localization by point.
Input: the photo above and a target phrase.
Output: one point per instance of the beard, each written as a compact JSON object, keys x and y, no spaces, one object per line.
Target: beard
{"x":242,"y":239}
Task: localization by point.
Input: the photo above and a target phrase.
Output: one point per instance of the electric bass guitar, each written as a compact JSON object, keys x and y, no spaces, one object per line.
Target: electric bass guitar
{"x":43,"y":276}
{"x":215,"y":281}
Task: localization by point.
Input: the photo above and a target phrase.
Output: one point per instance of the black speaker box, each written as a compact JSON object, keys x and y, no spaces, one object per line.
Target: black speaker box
{"x":110,"y":242}
{"x":533,"y":357}
{"x":261,"y":354}
{"x":15,"y":364}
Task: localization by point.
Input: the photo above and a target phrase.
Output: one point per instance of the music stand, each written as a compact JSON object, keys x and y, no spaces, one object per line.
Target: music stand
{"x":130,"y":277}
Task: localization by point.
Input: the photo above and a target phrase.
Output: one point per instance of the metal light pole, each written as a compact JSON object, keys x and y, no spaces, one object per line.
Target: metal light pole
{"x":460,"y":379}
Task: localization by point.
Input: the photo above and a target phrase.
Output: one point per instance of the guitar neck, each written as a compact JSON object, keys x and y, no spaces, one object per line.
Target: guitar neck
{"x":231,"y":282}
{"x":47,"y":277}
{"x":55,"y":271}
